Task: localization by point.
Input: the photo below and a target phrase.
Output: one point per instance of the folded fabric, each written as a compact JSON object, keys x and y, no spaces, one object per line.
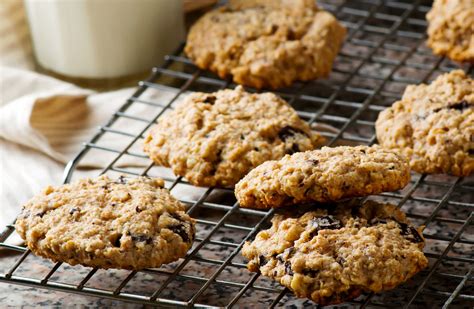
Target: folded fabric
{"x":44,"y":123}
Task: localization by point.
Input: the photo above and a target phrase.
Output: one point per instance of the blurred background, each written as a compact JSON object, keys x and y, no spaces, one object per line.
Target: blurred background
{"x":98,"y":44}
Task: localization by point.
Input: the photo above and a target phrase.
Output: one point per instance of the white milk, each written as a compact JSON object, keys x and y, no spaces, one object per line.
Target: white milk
{"x":104,"y":38}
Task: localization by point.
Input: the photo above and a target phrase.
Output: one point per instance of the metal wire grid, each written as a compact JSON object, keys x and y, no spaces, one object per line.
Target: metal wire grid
{"x":385,"y":38}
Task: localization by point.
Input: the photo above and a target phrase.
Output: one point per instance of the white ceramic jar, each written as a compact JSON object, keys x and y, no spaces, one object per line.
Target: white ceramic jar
{"x":104,"y":38}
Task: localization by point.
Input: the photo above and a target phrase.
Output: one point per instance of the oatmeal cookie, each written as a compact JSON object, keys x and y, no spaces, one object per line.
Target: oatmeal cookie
{"x":332,"y":255}
{"x":451,"y":29}
{"x":328,"y":174}
{"x":214,"y":139}
{"x":433,"y":125}
{"x":263,"y":43}
{"x":107,"y":223}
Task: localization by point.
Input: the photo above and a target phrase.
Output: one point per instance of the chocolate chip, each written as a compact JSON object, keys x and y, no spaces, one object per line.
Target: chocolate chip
{"x":362,"y":150}
{"x":116,"y":242}
{"x":256,"y":149}
{"x":215,"y":162}
{"x":210,"y":99}
{"x":288,"y":269}
{"x":242,"y":137}
{"x":175,"y":215}
{"x":291,"y":35}
{"x":294,"y":148}
{"x":138,"y":209}
{"x":288,"y":131}
{"x":262,"y":261}
{"x":407,"y":231}
{"x":310,"y":272}
{"x":72,"y":211}
{"x":288,"y":252}
{"x":313,"y":161}
{"x":274,"y":29}
{"x":340,"y":260}
{"x":141,"y":238}
{"x":180,"y":230}
{"x":324,"y":223}
{"x":460,"y":105}
{"x":355,"y":211}
{"x":218,"y":159}
{"x":218,"y":156}
{"x":471,"y":152}
{"x":40,"y":214}
{"x":212,"y":170}
{"x":113,"y":204}
{"x":410,"y":233}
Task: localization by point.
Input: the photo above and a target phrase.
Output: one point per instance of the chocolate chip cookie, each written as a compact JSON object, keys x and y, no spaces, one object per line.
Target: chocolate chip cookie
{"x":214,"y":139}
{"x":107,"y":223}
{"x":328,"y":174}
{"x":332,"y":255}
{"x":433,"y":125}
{"x":451,"y":29}
{"x":266,"y":43}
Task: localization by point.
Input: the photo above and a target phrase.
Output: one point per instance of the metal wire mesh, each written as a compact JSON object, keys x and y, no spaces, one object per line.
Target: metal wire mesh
{"x":384,"y":52}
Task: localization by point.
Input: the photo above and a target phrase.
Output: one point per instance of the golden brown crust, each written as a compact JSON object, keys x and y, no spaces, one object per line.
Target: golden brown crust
{"x":433,"y":125}
{"x":265,"y":43}
{"x":215,"y":139}
{"x":328,"y":174}
{"x":121,"y":223}
{"x":451,"y":29}
{"x":333,"y":255}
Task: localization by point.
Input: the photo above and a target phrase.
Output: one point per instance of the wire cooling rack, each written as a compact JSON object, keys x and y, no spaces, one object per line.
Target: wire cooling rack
{"x":384,"y":51}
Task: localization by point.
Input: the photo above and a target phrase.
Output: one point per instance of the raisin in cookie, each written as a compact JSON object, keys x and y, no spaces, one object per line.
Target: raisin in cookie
{"x":263,"y":43}
{"x":451,"y":29}
{"x":334,"y":255}
{"x":214,"y":139}
{"x":328,"y":174}
{"x":105,"y":223}
{"x":433,"y":125}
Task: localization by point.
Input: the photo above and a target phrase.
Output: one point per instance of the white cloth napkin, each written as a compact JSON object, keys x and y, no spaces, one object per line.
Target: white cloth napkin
{"x":44,"y":121}
{"x":43,"y":124}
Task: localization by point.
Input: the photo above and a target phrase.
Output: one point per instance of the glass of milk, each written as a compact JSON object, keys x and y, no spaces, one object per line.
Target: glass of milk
{"x":103,"y":39}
